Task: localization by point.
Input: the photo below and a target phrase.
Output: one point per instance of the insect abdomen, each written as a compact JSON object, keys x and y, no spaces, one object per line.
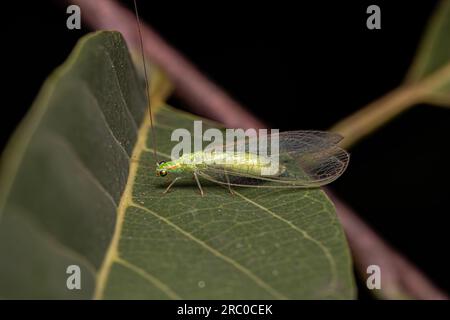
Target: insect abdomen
{"x":245,"y":163}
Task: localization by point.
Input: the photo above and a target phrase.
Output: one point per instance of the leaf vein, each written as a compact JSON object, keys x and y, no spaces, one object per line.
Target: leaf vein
{"x":217,"y":253}
{"x":108,"y":127}
{"x":149,"y":277}
{"x":305,"y":234}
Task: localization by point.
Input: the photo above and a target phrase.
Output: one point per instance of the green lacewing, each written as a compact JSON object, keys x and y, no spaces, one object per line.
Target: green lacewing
{"x":305,"y":159}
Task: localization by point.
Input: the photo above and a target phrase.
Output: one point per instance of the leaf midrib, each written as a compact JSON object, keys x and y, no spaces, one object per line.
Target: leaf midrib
{"x":127,"y":201}
{"x":112,"y":253}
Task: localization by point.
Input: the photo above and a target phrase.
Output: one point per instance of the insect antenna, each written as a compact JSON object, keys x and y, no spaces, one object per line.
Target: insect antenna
{"x":147,"y":88}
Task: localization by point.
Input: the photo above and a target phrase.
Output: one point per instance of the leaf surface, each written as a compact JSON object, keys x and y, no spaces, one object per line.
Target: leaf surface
{"x":72,"y":196}
{"x":430,"y":70}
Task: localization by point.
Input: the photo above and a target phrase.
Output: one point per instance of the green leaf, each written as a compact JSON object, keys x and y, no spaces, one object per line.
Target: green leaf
{"x":428,"y":81}
{"x":434,"y":49}
{"x":430,"y":71}
{"x":71,"y":196}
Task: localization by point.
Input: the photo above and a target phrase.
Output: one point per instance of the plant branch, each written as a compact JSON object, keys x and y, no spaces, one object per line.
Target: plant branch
{"x":368,"y":119}
{"x":374,"y":115}
{"x":401,"y":279}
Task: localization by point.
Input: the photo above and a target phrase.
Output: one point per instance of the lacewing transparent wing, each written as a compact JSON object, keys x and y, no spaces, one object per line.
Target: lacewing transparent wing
{"x":307,"y":159}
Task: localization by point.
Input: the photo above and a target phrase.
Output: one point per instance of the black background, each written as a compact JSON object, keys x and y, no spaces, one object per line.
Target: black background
{"x":301,"y":66}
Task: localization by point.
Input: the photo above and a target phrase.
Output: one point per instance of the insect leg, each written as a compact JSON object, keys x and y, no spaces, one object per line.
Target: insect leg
{"x":228,"y":183}
{"x":198,"y":183}
{"x":171,"y":184}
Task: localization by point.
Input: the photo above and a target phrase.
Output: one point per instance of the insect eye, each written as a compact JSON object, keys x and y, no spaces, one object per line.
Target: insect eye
{"x":161,"y":162}
{"x":163,"y":173}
